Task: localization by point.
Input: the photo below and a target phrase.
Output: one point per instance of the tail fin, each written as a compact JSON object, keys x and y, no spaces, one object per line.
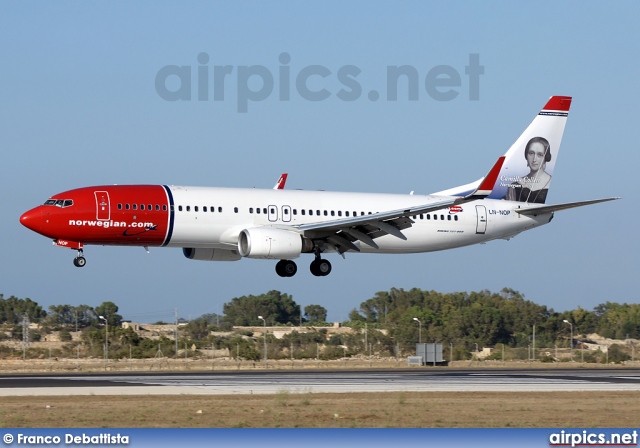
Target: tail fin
{"x":528,"y":165}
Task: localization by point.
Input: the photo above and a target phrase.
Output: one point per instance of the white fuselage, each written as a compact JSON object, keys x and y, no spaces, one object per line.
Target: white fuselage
{"x":237,"y":209}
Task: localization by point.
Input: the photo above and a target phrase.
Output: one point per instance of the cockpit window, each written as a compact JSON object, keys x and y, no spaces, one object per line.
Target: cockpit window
{"x":59,"y":202}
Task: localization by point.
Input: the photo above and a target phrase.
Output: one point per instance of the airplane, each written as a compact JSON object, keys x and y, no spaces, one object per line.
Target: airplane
{"x":228,"y":224}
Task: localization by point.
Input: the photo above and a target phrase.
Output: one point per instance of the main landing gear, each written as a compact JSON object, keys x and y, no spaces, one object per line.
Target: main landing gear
{"x":80,"y":261}
{"x":286,"y":268}
{"x":319,"y":267}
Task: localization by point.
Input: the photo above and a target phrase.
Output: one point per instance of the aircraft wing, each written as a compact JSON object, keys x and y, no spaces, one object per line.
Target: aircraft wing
{"x":343,"y":233}
{"x":553,"y":208}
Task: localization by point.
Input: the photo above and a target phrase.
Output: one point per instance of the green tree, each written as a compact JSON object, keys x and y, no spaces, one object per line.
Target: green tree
{"x":197,"y":329}
{"x":109,"y":310}
{"x":618,"y":354}
{"x":13,"y":309}
{"x":315,"y":313}
{"x":274,"y":306}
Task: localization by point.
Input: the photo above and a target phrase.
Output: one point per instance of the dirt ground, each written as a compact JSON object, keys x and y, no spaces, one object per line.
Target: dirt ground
{"x":61,"y":365}
{"x":358,"y":410}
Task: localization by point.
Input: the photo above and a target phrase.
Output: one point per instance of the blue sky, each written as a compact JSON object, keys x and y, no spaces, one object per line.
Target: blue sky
{"x":79,"y":107}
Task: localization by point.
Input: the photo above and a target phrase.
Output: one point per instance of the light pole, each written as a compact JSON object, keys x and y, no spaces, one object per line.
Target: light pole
{"x":571,"y":342}
{"x":265,"y":338}
{"x":534,"y":342}
{"x":106,"y":338}
{"x":419,"y":330}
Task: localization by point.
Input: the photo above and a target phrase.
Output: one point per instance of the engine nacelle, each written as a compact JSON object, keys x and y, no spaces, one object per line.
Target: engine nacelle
{"x":210,"y":254}
{"x":270,"y":243}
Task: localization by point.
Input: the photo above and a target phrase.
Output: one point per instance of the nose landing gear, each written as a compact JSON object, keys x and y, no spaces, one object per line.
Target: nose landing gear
{"x":79,"y":261}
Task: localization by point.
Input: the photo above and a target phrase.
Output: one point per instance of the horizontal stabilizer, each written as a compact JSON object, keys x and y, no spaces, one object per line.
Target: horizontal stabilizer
{"x":553,"y":208}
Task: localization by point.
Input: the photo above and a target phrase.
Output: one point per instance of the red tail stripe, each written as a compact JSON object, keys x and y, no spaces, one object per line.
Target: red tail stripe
{"x":490,"y":180}
{"x":562,"y":103}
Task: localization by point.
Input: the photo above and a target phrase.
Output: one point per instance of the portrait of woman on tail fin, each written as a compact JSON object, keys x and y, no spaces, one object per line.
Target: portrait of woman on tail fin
{"x":534,"y":186}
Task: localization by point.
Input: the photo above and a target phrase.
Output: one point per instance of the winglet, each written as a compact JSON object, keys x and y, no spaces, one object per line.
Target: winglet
{"x":280,"y":184}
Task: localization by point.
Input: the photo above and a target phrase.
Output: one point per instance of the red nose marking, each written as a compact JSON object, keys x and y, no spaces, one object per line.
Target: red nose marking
{"x":32,"y":220}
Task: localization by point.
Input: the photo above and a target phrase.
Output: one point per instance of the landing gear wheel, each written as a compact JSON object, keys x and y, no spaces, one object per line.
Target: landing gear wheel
{"x":286,"y":268}
{"x":320,"y":267}
{"x":79,"y":261}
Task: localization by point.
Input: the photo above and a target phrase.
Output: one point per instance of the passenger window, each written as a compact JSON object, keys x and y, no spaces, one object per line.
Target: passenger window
{"x":295,"y":212}
{"x":302,"y":211}
{"x":339,"y":213}
{"x":149,"y":207}
{"x":164,"y":208}
{"x":126,"y":206}
{"x":141,"y":206}
{"x":195,"y":209}
{"x":119,"y":206}
{"x":273,"y":211}
{"x":346,"y":213}
{"x":251,"y":210}
{"x":318,"y":212}
{"x":179,"y":208}
{"x":258,"y":210}
{"x":435,"y":217}
{"x":204,"y":208}
{"x":188,"y":208}
{"x":442,"y":217}
{"x":235,"y":209}
{"x":448,"y":217}
{"x":219,"y":209}
{"x":455,"y":218}
{"x":286,"y":211}
{"x":134,"y":206}
{"x":421,"y":216}
{"x":157,"y":208}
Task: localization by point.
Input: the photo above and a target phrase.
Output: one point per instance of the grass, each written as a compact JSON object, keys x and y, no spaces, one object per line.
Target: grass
{"x":306,"y":410}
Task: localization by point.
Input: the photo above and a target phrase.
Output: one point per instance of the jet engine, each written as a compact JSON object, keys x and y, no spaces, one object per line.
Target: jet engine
{"x":210,"y":254}
{"x":270,"y":243}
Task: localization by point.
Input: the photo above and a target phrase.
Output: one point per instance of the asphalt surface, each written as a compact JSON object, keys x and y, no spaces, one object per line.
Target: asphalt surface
{"x":339,"y":381}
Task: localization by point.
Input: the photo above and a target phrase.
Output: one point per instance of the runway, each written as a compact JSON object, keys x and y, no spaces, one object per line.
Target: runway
{"x":413,"y":380}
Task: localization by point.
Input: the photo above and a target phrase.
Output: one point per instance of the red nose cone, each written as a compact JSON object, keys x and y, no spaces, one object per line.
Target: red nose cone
{"x":32,"y":220}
